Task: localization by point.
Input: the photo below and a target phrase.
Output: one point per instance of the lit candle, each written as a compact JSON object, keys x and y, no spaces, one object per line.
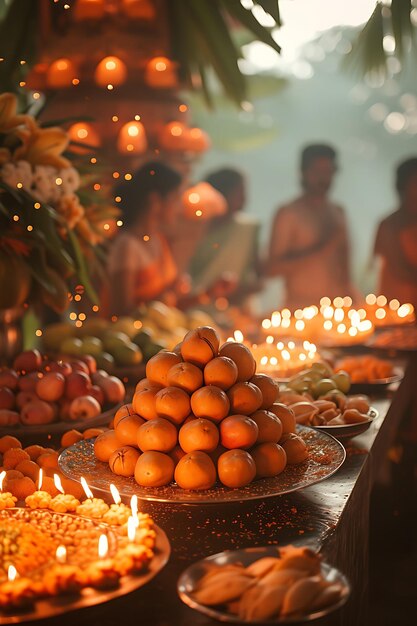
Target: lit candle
{"x":61,"y":554}
{"x":84,"y":133}
{"x":103,"y":546}
{"x":160,"y":72}
{"x":61,"y":73}
{"x":86,"y":488}
{"x":132,"y":138}
{"x":115,"y":494}
{"x":11,"y":573}
{"x":110,"y":72}
{"x":7,"y":499}
{"x":58,"y":484}
{"x":131,"y":528}
{"x":40,"y":479}
{"x":2,"y":475}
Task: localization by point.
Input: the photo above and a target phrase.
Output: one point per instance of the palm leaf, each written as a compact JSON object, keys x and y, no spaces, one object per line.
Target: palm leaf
{"x":17,"y":40}
{"x":82,"y":271}
{"x":367,"y":54}
{"x":249,"y":21}
{"x":402,"y":27}
{"x":271,"y":7}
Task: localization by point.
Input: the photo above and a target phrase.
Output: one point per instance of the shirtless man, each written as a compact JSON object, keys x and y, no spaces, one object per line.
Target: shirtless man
{"x":309,"y":241}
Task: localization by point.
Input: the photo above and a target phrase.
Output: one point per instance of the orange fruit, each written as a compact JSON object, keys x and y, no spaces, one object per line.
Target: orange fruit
{"x":176,"y":454}
{"x":199,"y":434}
{"x":7,"y":442}
{"x":200,"y":345}
{"x":245,"y":398}
{"x":105,"y":445}
{"x":29,"y":468}
{"x":269,"y":426}
{"x":48,"y":460}
{"x":146,"y":384}
{"x":144,"y":403}
{"x":125,"y":409}
{"x":158,"y":434}
{"x":295,"y":448}
{"x":285,"y":415}
{"x":243,"y":358}
{"x":172,"y":404}
{"x":158,"y":366}
{"x":123,"y":461}
{"x":14,"y":456}
{"x":186,"y":376}
{"x":127,"y":429}
{"x":270,"y":459}
{"x":34,"y":451}
{"x":210,"y":402}
{"x":268,"y":387}
{"x":154,"y":469}
{"x":236,"y":468}
{"x":71,"y":437}
{"x":238,"y":431}
{"x":221,"y":372}
{"x":90,"y":433}
{"x":21,"y":488}
{"x":195,"y":471}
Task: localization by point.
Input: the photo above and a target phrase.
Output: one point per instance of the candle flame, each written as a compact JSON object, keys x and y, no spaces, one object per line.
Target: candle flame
{"x":58,"y":484}
{"x":115,"y":494}
{"x":11,"y":573}
{"x":86,"y":488}
{"x":134,"y":509}
{"x":2,"y":475}
{"x":131,"y":528}
{"x":103,"y":546}
{"x":61,"y":554}
{"x":40,"y":479}
{"x":238,"y":335}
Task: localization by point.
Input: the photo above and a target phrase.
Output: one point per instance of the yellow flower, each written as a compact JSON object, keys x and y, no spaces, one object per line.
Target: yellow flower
{"x":70,"y":209}
{"x":8,"y":116}
{"x":44,"y":146}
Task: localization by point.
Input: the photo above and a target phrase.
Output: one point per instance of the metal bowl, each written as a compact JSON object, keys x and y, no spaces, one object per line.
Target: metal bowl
{"x":191,"y":576}
{"x":347,"y":431}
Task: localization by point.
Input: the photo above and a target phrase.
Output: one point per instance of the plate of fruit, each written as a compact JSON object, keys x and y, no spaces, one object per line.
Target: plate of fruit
{"x":318,"y":398}
{"x":204,"y":427}
{"x":268,"y":585}
{"x":43,"y":396}
{"x":368,"y":373}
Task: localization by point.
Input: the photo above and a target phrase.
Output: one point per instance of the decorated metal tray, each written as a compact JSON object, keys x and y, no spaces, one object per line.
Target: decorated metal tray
{"x":326,"y":455}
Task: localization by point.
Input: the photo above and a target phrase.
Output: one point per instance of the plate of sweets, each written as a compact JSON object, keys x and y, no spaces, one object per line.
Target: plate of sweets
{"x":369,"y":373}
{"x":61,"y":553}
{"x":42,"y":396}
{"x":204,"y":427}
{"x":269,"y":585}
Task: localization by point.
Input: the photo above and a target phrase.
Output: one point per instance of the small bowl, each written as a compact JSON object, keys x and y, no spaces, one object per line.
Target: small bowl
{"x":191,"y":576}
{"x":347,"y":431}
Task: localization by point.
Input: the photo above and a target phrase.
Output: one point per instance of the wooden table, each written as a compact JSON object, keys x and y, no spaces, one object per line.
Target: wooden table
{"x":333,"y":516}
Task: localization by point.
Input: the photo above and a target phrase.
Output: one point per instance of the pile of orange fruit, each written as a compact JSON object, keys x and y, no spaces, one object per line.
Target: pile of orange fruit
{"x":366,"y":368}
{"x":202,"y":415}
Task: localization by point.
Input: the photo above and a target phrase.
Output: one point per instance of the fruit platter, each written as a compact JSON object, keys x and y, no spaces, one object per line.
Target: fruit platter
{"x":39,"y":395}
{"x":270,"y":585}
{"x":204,"y":427}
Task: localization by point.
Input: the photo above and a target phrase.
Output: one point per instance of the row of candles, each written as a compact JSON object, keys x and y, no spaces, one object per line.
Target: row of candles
{"x":103,"y":544}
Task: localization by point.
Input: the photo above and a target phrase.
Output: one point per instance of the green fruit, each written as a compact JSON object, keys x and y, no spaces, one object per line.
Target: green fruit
{"x":55,"y":334}
{"x":113,"y":339}
{"x":342,"y":380}
{"x":105,"y":361}
{"x":125,"y":325}
{"x":299,"y":385}
{"x":324,"y":369}
{"x":72,"y":346}
{"x":94,"y":327}
{"x":128,"y":355}
{"x":151,"y":349}
{"x":92,"y":345}
{"x":323,"y":386}
{"x":143,"y":338}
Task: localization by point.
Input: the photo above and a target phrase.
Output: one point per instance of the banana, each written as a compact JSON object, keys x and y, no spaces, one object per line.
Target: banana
{"x":300,"y":596}
{"x":266,"y":604}
{"x":222,"y":589}
{"x":261,"y":567}
{"x":282,"y":577}
{"x":328,"y":595}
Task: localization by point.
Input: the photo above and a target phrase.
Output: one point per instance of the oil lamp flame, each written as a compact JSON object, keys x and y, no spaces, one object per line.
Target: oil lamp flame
{"x":11,"y":573}
{"x":115,"y":494}
{"x":2,"y":475}
{"x":103,"y":546}
{"x":134,"y":509}
{"x":86,"y":488}
{"x":238,"y":336}
{"x":58,"y":484}
{"x":40,"y":479}
{"x":61,"y":554}
{"x":131,"y":528}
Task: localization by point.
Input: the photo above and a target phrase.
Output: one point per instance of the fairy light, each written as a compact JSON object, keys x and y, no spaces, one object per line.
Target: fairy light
{"x":280,"y":345}
{"x":93,"y":160}
{"x":270,"y":339}
{"x":119,"y":223}
{"x":380,"y":314}
{"x":264,"y":360}
{"x":77,"y":297}
{"x":117,"y":199}
{"x":273,"y":360}
{"x":137,"y":118}
{"x":11,"y":573}
{"x":146,"y":238}
{"x":106,"y":226}
{"x":36,"y":95}
{"x":37,"y":205}
{"x":325,"y":301}
{"x":298,"y":314}
{"x":58,"y":181}
{"x":19,"y":185}
{"x":137,"y":324}
{"x":73,"y":316}
{"x":75,"y":81}
{"x":194,"y":198}
{"x":29,"y":228}
{"x":114,"y":118}
{"x":404,"y":310}
{"x":286,"y":323}
{"x":276,"y":319}
{"x":238,"y":335}
{"x":38,"y":332}
{"x":266,"y":324}
{"x":291,"y":345}
{"x":61,"y":554}
{"x":341,"y":328}
{"x":128,"y":176}
{"x":371,"y":299}
{"x":183,"y":108}
{"x":95,"y":308}
{"x":339,"y":315}
{"x":199,"y":213}
{"x":338,"y":302}
{"x":347,"y":301}
{"x":110,"y":87}
{"x":300,"y":325}
{"x":82,"y":317}
{"x":78,"y":324}
{"x":327,"y":325}
{"x":96,"y":186}
{"x":381,"y":301}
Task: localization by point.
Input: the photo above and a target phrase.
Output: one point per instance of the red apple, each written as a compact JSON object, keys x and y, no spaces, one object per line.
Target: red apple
{"x":51,"y":387}
{"x":61,"y":367}
{"x":37,"y":412}
{"x":114,"y":389}
{"x":64,"y":409}
{"x":84,"y":408}
{"x":24,"y":397}
{"x":29,"y":382}
{"x":9,"y":418}
{"x":91,"y":363}
{"x":77,"y":384}
{"x":7,"y":399}
{"x":28,"y":361}
{"x":98,"y":394}
{"x":99,"y":375}
{"x":79,"y":366}
{"x":9,"y":378}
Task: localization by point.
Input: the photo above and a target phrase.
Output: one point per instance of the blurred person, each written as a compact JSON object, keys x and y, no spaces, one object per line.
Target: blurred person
{"x":140,"y":264}
{"x":309,"y":244}
{"x":226,"y":260}
{"x":396,"y":240}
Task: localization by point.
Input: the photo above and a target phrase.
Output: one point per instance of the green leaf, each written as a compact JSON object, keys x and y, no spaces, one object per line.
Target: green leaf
{"x":17,"y":40}
{"x":82,"y":271}
{"x":402,"y":27}
{"x":248,"y":20}
{"x":367,"y":54}
{"x":271,"y":7}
